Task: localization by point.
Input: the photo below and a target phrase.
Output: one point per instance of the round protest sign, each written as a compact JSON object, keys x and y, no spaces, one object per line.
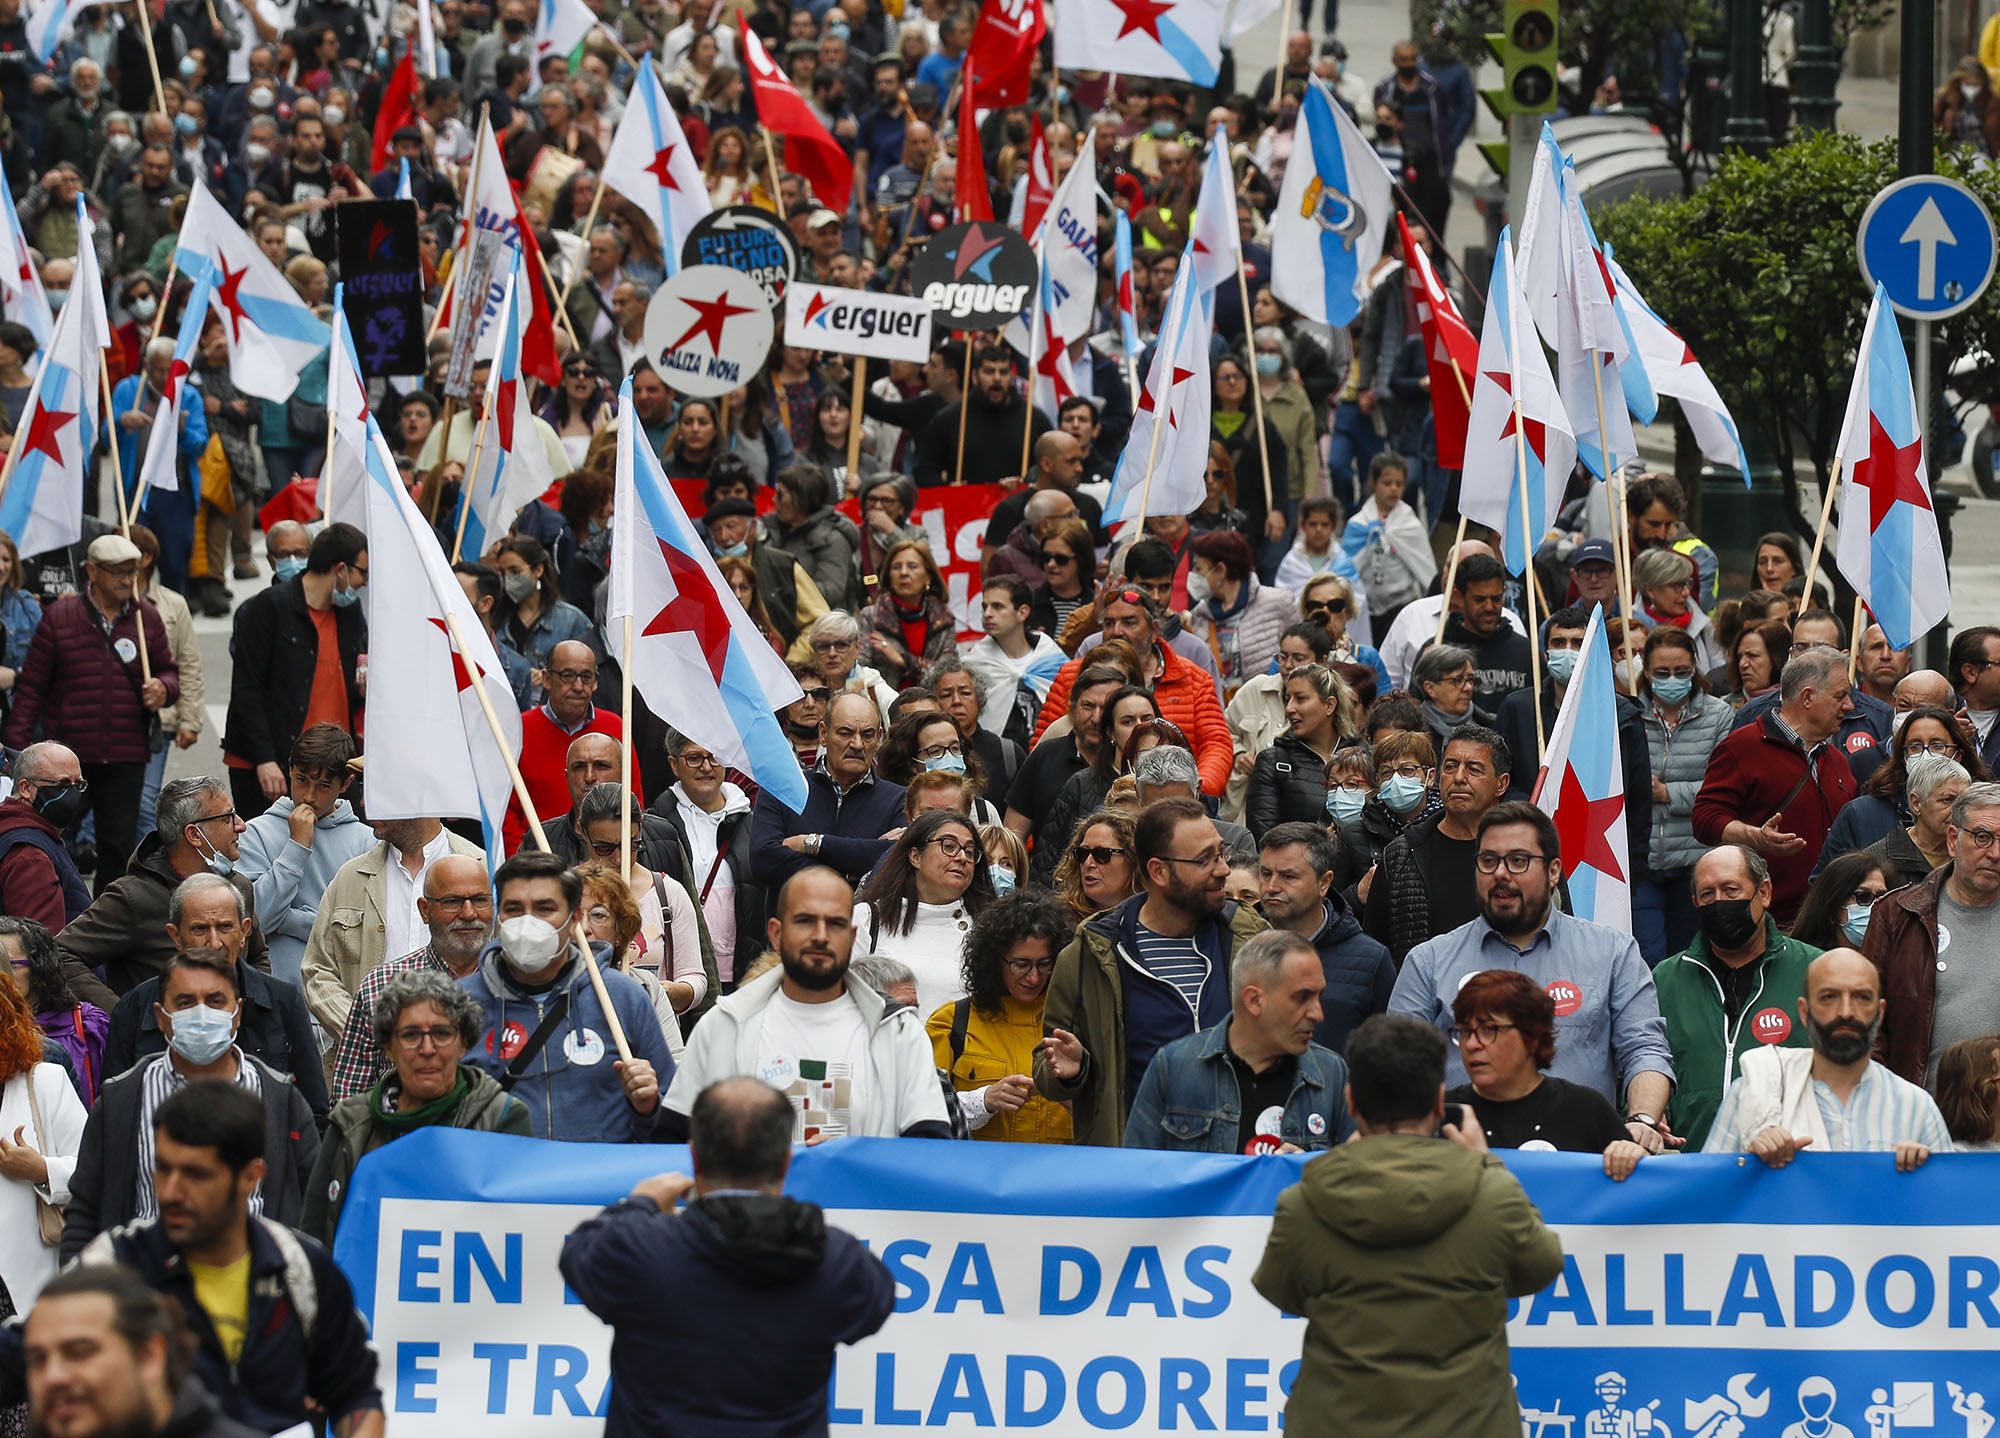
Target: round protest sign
{"x":974,"y":277}
{"x":708,"y":330}
{"x":749,"y":239}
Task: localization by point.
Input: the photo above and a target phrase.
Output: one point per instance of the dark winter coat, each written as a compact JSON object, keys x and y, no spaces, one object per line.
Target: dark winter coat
{"x":274,"y":647}
{"x":81,"y":693}
{"x":38,"y":879}
{"x":1360,"y":975}
{"x":825,"y":543}
{"x":1287,"y":784}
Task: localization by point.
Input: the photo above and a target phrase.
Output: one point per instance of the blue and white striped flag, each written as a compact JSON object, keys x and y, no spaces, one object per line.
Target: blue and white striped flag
{"x":1332,"y":215}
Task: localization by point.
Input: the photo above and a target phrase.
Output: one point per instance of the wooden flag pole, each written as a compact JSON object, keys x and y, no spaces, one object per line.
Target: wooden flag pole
{"x":1819,"y":534}
{"x":500,"y":740}
{"x":589,"y":223}
{"x":1256,"y":390}
{"x":166,"y":296}
{"x":590,"y":967}
{"x":853,"y":423}
{"x":1854,"y":636}
{"x":1028,"y":399}
{"x":159,"y":89}
{"x":1620,"y":554}
{"x":771,"y":164}
{"x":964,"y":407}
{"x":125,"y":515}
{"x":1528,"y":589}
{"x":625,"y":758}
{"x":1451,"y":560}
{"x":430,"y":488}
{"x":471,"y":474}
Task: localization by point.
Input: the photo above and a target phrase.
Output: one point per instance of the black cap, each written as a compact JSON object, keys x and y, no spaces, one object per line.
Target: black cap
{"x":729,"y":509}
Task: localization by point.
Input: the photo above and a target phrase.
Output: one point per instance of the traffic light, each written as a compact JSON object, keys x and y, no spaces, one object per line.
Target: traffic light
{"x":1526,"y":50}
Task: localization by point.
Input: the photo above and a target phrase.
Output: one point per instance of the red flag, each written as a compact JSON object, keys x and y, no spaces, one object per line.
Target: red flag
{"x":973,"y":200}
{"x":399,"y":108}
{"x":1002,"y":45}
{"x":1041,"y":186}
{"x":809,"y":150}
{"x":1449,"y":349}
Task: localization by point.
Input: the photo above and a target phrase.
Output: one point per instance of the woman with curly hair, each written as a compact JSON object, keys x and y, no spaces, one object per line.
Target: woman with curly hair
{"x":81,"y":1028}
{"x":41,"y":1119}
{"x":1097,"y":870}
{"x":1126,"y":713}
{"x":910,"y":625}
{"x":611,"y":917}
{"x":987,"y":1039}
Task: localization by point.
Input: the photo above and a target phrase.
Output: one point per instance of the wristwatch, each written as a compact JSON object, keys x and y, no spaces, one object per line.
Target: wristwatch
{"x":813,"y":841}
{"x":1645,"y":1118}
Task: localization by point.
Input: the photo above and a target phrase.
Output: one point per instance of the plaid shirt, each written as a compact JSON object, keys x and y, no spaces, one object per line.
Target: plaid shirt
{"x":359,"y":1062}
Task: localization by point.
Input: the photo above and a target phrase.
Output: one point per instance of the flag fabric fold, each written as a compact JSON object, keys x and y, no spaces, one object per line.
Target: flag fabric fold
{"x":272,"y":335}
{"x":1128,"y":302}
{"x":1332,"y":216}
{"x":1002,"y":47}
{"x":696,"y":656}
{"x":160,"y":468}
{"x":560,"y":26}
{"x":21,"y":293}
{"x":512,"y":468}
{"x":1451,"y":353}
{"x":1889,"y":547}
{"x":972,"y":196}
{"x":398,"y":108}
{"x":1176,"y":386}
{"x":431,"y":752}
{"x":1171,"y":39}
{"x":1066,"y":243}
{"x":42,"y":506}
{"x":1519,"y":446}
{"x":1582,"y":788}
{"x":1672,"y":370}
{"x":1031,"y":201}
{"x":652,"y":165}
{"x":1214,"y":242}
{"x":344,"y":473}
{"x":809,"y":150}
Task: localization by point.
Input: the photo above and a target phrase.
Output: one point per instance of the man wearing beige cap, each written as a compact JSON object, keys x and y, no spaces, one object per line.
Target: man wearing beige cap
{"x":95,"y":680}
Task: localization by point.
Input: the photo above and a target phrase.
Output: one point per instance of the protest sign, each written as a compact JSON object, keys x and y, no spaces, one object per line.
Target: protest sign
{"x":746,"y":238}
{"x":707,"y":331}
{"x":384,"y":278}
{"x":976,"y":276}
{"x":1086,"y":1290}
{"x":857,"y":322}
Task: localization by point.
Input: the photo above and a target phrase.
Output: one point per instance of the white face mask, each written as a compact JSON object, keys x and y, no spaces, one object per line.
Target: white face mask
{"x":529,"y":943}
{"x":334,"y":115}
{"x":262,"y":97}
{"x":1971,"y":92}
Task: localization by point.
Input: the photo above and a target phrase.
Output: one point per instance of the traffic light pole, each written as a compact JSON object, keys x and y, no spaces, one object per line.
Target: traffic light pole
{"x":1747,"y":129}
{"x":1916,"y":140}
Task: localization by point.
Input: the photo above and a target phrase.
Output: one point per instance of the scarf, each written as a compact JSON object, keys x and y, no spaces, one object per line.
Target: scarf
{"x":1672,"y":621}
{"x":1443,"y":721}
{"x":382,"y":1105}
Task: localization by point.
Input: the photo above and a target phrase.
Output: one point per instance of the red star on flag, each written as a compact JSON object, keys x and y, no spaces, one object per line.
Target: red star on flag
{"x":175,"y":374}
{"x":1142,"y":15}
{"x":504,"y":402}
{"x":43,"y":428}
{"x":460,"y":675}
{"x":232,"y":281}
{"x":695,"y":609}
{"x":1889,"y":474}
{"x":661,"y":169}
{"x":1146,"y":398}
{"x":713,"y":314}
{"x":1536,"y":431}
{"x":1583,"y":827}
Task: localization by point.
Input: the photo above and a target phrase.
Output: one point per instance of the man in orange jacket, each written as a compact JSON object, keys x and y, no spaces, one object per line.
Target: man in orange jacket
{"x":1185,"y":695}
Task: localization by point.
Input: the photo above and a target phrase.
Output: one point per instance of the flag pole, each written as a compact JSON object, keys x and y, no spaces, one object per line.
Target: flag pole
{"x":771,"y":163}
{"x":589,"y":223}
{"x":1451,"y":560}
{"x":625,"y":754}
{"x":500,"y":740}
{"x":1256,"y":390}
{"x":166,"y":296}
{"x":1620,"y":554}
{"x":159,"y":90}
{"x":1854,"y":633}
{"x":1028,"y":399}
{"x":111,"y":448}
{"x":470,"y":477}
{"x":1528,"y":589}
{"x":964,"y":406}
{"x":430,"y":487}
{"x":465,"y":250}
{"x":853,"y":423}
{"x":1819,"y":534}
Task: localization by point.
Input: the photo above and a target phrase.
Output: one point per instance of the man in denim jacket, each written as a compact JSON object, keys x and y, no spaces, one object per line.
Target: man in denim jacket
{"x":1256,"y":1082}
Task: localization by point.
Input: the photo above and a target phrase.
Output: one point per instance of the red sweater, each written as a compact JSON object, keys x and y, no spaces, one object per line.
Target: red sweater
{"x":1749,"y":775}
{"x":544,"y":752}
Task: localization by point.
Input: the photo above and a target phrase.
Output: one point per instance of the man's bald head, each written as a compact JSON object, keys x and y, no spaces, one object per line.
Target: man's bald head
{"x":453,"y":874}
{"x":740,"y":1136}
{"x":1468,"y":548}
{"x":592,"y":759}
{"x":1921,"y":687}
{"x":571,"y":680}
{"x":47,"y":762}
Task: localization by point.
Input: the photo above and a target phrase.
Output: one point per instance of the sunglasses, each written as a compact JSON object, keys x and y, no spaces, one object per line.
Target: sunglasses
{"x":1099,"y":854}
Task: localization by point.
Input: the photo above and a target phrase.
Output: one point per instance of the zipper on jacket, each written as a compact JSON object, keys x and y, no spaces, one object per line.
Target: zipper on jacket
{"x":1194,"y":1011}
{"x":1729,"y":1034}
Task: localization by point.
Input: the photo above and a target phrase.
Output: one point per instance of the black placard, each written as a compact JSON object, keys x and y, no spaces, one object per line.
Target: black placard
{"x":975,"y":277}
{"x":383,"y":277}
{"x":746,"y":238}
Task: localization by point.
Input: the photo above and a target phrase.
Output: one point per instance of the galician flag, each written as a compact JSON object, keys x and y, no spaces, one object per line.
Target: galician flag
{"x":1582,"y":788}
{"x":560,"y":26}
{"x":652,"y":165}
{"x":696,"y":656}
{"x":1214,"y":243}
{"x":1173,"y":39}
{"x":42,"y":505}
{"x":1889,"y":546}
{"x":160,"y":469}
{"x":1176,"y":388}
{"x":512,"y":468}
{"x":431,"y":751}
{"x":1673,"y":371}
{"x":272,"y":335}
{"x":1128,"y":300}
{"x":1333,"y":212}
{"x":21,"y":294}
{"x":1519,"y":446}
{"x":343,"y":476}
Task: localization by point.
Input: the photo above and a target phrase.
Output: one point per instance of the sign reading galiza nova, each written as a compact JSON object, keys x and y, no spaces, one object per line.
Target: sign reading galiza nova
{"x":857,"y":322}
{"x":708,"y":330}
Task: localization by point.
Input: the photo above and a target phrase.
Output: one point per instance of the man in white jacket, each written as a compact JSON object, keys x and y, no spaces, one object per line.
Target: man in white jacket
{"x":1017,"y":665}
{"x":1832,"y":1098}
{"x":848,"y":1063}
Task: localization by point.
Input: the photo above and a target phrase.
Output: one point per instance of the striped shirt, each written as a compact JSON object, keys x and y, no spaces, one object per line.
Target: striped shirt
{"x":159,"y":1081}
{"x":1173,"y":961}
{"x":1884,"y":1110}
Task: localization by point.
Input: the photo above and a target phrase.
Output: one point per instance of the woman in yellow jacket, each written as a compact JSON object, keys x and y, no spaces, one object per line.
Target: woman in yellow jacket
{"x":988,"y":1039}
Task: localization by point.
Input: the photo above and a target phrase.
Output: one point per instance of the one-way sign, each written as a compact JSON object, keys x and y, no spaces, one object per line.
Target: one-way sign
{"x":1930,"y":243}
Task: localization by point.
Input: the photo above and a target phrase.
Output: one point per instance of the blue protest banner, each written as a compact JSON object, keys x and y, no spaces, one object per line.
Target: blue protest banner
{"x":1080,"y":1290}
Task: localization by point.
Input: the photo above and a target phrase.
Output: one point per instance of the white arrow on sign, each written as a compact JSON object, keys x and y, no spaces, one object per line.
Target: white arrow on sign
{"x":1927,"y":229}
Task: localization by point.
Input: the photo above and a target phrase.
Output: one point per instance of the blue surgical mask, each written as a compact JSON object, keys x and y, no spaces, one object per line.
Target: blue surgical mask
{"x":289,"y":566}
{"x":1674,"y":689}
{"x":1164,"y":129}
{"x":381,"y":57}
{"x":1402,"y":793}
{"x":1561,"y":664}
{"x":1062,"y":94}
{"x":184,"y":126}
{"x":946,"y":764}
{"x":1270,"y":365}
{"x":218,"y":862}
{"x":732,"y":551}
{"x":1855,"y":925}
{"x":346,"y":598}
{"x":56,"y":298}
{"x":1344,"y":806}
{"x":202,"y":1034}
{"x":188,"y":67}
{"x":1003,"y":879}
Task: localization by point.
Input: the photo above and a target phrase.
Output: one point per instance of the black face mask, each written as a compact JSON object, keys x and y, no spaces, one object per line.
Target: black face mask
{"x":1726,"y":923}
{"x":59,"y":805}
{"x":514,"y":27}
{"x":1408,"y":72}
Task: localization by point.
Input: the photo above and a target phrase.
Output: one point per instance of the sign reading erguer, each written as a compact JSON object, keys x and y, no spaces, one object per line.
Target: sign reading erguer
{"x":857,"y":322}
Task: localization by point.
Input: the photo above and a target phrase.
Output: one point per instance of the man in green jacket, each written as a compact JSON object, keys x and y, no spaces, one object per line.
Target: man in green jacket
{"x":1735,"y":987}
{"x":1401,"y":1252}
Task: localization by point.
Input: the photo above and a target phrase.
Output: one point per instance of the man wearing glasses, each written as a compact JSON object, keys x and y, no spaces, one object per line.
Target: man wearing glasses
{"x":548,"y":731}
{"x":1933,"y":942}
{"x":457,"y":907}
{"x":1974,"y":667}
{"x":81,"y":685}
{"x":1137,"y":977}
{"x":850,"y":818}
{"x":1609,"y":1033}
{"x":1869,"y":725}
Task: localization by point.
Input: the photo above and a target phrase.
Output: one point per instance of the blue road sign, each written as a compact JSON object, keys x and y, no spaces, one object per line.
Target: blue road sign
{"x":1930,"y":243}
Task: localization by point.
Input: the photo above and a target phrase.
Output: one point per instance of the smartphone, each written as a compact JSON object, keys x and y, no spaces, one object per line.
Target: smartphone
{"x":1454,"y":1116}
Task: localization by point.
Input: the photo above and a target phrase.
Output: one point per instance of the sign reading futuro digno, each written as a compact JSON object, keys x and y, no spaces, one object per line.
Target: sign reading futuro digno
{"x":1083,"y":1291}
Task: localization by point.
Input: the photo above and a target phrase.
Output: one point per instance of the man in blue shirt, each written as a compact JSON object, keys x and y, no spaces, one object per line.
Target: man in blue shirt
{"x":940,"y":67}
{"x":1608,"y":1026}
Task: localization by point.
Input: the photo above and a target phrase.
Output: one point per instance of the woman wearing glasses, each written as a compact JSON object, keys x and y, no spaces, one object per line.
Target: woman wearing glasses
{"x":835,"y":640}
{"x":1096,"y":872}
{"x":1069,"y":575}
{"x":931,"y":742}
{"x":922,"y":901}
{"x":1910,"y":854}
{"x":1883,"y":807}
{"x":1837,"y":908}
{"x":909,"y":626}
{"x":1665,"y":580}
{"x":1124,"y":714}
{"x":1328,"y":601}
{"x":1504,"y":1025}
{"x":611,"y":919}
{"x":668,"y":942}
{"x":987,"y":1039}
{"x":1405,"y":791}
{"x":1217,"y":509}
{"x":424,"y":1023}
{"x":1683,"y":724}
{"x":1447,"y":677}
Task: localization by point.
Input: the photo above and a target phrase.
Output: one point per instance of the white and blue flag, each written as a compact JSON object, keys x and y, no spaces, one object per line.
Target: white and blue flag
{"x":1332,"y":215}
{"x":1171,"y":39}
